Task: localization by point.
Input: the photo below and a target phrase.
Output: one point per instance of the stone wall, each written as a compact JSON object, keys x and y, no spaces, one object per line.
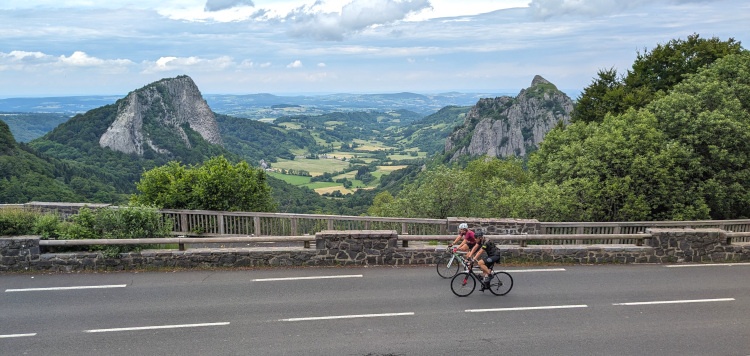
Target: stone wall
{"x":377,"y":247}
{"x":497,"y":226}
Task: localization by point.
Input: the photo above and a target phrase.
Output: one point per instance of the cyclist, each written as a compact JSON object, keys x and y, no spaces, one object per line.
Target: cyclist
{"x":493,"y":255}
{"x":469,"y":241}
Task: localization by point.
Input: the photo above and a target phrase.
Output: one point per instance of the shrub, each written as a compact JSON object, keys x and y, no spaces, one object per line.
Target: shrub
{"x":15,"y":221}
{"x":46,"y":226}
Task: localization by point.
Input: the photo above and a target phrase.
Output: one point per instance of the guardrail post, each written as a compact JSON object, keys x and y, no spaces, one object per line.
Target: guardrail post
{"x":404,"y":243}
{"x":293,"y":224}
{"x":330,"y":224}
{"x":256,"y":223}
{"x":220,"y":223}
{"x":183,"y":222}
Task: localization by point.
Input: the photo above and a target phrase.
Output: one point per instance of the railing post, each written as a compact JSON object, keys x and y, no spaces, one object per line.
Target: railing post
{"x":293,"y":224}
{"x":183,"y":222}
{"x":404,"y":243}
{"x":220,"y":223}
{"x":330,"y":224}
{"x":256,"y":223}
{"x":403,"y":228}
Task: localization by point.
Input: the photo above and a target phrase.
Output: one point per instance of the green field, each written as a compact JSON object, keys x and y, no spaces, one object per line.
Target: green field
{"x":316,"y":167}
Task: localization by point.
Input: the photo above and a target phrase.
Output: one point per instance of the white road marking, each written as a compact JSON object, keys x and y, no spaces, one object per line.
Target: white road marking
{"x":301,"y":278}
{"x":347,"y":316}
{"x":157,"y":327}
{"x":527,"y":308}
{"x":16,"y":335}
{"x":535,"y":270}
{"x":678,"y":301}
{"x":66,"y":288}
{"x":709,"y":265}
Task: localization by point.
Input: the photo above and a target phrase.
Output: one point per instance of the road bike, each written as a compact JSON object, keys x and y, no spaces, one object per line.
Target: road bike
{"x":449,"y":263}
{"x":465,"y":282}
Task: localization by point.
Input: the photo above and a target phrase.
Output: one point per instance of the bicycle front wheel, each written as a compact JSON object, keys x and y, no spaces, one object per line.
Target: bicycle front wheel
{"x":448,"y":265}
{"x":501,"y":283}
{"x":463,"y":284}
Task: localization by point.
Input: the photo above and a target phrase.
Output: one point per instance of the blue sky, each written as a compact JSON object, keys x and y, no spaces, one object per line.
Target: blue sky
{"x":91,"y":47}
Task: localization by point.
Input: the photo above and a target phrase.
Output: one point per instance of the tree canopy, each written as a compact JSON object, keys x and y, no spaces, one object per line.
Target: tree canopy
{"x":214,"y":185}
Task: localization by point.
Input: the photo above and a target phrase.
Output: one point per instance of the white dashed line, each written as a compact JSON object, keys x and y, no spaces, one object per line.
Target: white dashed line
{"x":535,"y":270}
{"x":66,"y":288}
{"x":709,"y":265}
{"x":527,"y":308}
{"x":16,"y":335}
{"x":678,"y":301}
{"x":346,"y":316}
{"x":156,"y":327}
{"x":301,"y":278}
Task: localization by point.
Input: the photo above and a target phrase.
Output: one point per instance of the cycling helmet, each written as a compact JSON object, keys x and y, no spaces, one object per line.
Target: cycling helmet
{"x":479,"y":233}
{"x":463,"y":226}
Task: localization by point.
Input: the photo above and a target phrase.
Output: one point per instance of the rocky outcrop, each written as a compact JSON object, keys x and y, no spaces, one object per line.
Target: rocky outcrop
{"x":170,"y":103}
{"x":506,"y":126}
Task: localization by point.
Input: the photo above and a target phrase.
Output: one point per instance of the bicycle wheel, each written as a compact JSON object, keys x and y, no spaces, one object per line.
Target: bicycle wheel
{"x":447,"y":265}
{"x":501,"y":283}
{"x":463,"y":284}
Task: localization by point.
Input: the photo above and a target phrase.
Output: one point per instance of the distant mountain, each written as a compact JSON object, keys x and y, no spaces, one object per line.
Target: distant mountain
{"x":27,"y":126}
{"x":262,"y":106}
{"x":507,"y":126}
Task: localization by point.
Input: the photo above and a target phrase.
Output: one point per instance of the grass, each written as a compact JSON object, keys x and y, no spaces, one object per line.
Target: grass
{"x":316,"y":167}
{"x":291,"y":179}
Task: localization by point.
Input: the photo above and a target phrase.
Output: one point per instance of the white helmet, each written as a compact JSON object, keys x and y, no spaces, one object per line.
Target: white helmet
{"x":463,"y":226}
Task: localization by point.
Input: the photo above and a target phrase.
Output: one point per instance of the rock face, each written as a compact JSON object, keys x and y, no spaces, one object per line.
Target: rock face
{"x":167,"y":104}
{"x":506,"y":126}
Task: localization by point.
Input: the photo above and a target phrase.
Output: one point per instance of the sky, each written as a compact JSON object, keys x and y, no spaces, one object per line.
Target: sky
{"x":290,"y":47}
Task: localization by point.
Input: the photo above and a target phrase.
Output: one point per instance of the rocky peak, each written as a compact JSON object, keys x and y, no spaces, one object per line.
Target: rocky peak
{"x":506,"y":126}
{"x":169,"y":104}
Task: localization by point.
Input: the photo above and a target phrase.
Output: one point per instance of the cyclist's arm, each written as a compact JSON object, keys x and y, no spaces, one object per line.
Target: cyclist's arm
{"x":473,"y":251}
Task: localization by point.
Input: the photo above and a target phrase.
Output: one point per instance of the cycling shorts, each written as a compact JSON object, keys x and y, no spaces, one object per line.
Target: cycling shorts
{"x":490,"y":260}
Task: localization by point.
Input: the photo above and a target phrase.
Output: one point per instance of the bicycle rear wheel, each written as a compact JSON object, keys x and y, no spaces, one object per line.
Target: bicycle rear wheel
{"x":501,"y":283}
{"x":447,"y":265}
{"x":463,"y":284}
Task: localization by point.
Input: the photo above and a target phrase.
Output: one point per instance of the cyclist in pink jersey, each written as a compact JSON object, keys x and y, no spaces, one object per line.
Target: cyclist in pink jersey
{"x":466,"y":236}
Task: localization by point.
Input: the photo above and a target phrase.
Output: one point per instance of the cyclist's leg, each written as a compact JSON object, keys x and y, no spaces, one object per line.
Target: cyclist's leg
{"x":463,"y":247}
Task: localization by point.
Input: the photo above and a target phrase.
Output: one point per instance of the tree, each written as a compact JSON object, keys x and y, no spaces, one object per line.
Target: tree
{"x":621,"y":169}
{"x":214,"y":185}
{"x":710,"y":114}
{"x":652,"y":75}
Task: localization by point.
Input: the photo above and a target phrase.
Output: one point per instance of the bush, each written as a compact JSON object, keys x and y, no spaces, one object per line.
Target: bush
{"x":15,"y":221}
{"x":46,"y":226}
{"x":119,"y":223}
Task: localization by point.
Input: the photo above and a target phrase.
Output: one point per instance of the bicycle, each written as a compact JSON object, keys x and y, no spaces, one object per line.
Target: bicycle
{"x":450,"y":262}
{"x":465,"y":282}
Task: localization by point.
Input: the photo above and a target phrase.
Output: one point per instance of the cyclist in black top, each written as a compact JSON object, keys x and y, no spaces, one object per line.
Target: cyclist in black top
{"x":493,"y":255}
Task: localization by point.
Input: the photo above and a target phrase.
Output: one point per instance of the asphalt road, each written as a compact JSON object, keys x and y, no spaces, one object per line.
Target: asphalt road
{"x":569,"y":310}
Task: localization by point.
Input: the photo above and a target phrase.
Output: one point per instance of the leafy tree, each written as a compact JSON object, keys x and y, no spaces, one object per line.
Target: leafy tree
{"x":214,"y":185}
{"x":710,"y":114}
{"x":652,"y":75}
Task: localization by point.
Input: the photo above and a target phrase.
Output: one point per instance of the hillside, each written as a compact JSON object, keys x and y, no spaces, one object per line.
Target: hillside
{"x":27,"y":126}
{"x":26,"y":176}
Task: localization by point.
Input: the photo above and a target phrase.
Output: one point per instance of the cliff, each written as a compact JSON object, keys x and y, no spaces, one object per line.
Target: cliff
{"x":169,"y":105}
{"x":506,"y":126}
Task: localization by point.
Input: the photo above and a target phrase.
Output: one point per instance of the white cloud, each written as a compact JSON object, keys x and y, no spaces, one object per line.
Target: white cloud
{"x":295,"y":64}
{"x":218,"y":5}
{"x":353,"y":17}
{"x":185,"y":64}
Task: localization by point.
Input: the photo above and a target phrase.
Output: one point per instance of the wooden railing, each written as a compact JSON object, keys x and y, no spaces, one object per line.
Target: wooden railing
{"x":223,"y":223}
{"x":217,"y":223}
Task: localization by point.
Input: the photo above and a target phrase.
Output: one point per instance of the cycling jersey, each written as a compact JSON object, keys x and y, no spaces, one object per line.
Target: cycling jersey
{"x":469,"y":238}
